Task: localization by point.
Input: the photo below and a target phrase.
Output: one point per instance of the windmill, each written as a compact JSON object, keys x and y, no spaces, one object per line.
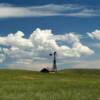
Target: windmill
{"x":54,"y":61}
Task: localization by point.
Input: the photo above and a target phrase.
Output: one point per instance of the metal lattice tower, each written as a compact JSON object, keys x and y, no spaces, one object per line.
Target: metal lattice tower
{"x":54,"y":61}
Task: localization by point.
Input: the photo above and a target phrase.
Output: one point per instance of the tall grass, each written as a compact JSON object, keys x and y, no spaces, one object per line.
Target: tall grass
{"x":63,"y":85}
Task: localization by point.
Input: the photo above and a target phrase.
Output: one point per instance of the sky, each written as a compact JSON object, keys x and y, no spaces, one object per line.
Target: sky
{"x":31,"y":29}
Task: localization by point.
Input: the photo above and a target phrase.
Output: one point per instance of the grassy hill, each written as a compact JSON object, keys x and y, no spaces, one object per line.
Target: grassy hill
{"x":63,"y":85}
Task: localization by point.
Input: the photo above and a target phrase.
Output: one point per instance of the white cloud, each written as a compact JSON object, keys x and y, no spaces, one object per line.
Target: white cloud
{"x":15,"y":40}
{"x":45,"y":40}
{"x":71,"y":37}
{"x":78,"y":48}
{"x":95,"y":64}
{"x":9,"y":10}
{"x":2,"y":58}
{"x":82,"y":49}
{"x":85,"y":13}
{"x":94,"y":35}
{"x":25,"y":51}
{"x":30,"y":66}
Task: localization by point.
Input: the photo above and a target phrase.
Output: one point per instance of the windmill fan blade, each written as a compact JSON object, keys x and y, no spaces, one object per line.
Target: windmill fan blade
{"x":50,"y":54}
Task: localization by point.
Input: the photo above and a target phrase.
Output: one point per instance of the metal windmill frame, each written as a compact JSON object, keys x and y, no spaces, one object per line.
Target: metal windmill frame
{"x":54,"y":61}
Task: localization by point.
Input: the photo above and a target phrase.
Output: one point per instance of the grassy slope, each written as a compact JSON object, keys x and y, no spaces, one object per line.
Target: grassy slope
{"x":63,"y":85}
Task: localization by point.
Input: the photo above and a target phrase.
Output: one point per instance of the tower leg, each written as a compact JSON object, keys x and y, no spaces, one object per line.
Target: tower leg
{"x":54,"y":63}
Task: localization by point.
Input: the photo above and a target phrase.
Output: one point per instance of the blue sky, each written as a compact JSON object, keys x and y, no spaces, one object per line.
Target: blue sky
{"x":76,"y":20}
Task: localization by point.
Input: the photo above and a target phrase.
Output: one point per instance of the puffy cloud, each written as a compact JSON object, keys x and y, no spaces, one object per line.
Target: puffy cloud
{"x":70,"y":37}
{"x":95,"y":34}
{"x":21,"y":50}
{"x":16,"y":40}
{"x":82,"y":49}
{"x":46,"y":40}
{"x":77,"y":49}
{"x":42,"y":40}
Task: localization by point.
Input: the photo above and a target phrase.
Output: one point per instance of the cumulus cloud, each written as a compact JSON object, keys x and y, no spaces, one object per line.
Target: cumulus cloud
{"x":25,"y":51}
{"x":71,"y":37}
{"x":16,"y":40}
{"x":94,"y":35}
{"x":46,"y":40}
{"x":9,"y":10}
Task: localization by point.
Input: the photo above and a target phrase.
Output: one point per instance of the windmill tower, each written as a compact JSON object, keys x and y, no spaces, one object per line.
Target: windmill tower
{"x":54,"y":61}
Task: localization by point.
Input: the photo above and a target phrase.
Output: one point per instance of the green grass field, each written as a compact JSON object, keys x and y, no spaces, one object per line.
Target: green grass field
{"x":63,"y":85}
